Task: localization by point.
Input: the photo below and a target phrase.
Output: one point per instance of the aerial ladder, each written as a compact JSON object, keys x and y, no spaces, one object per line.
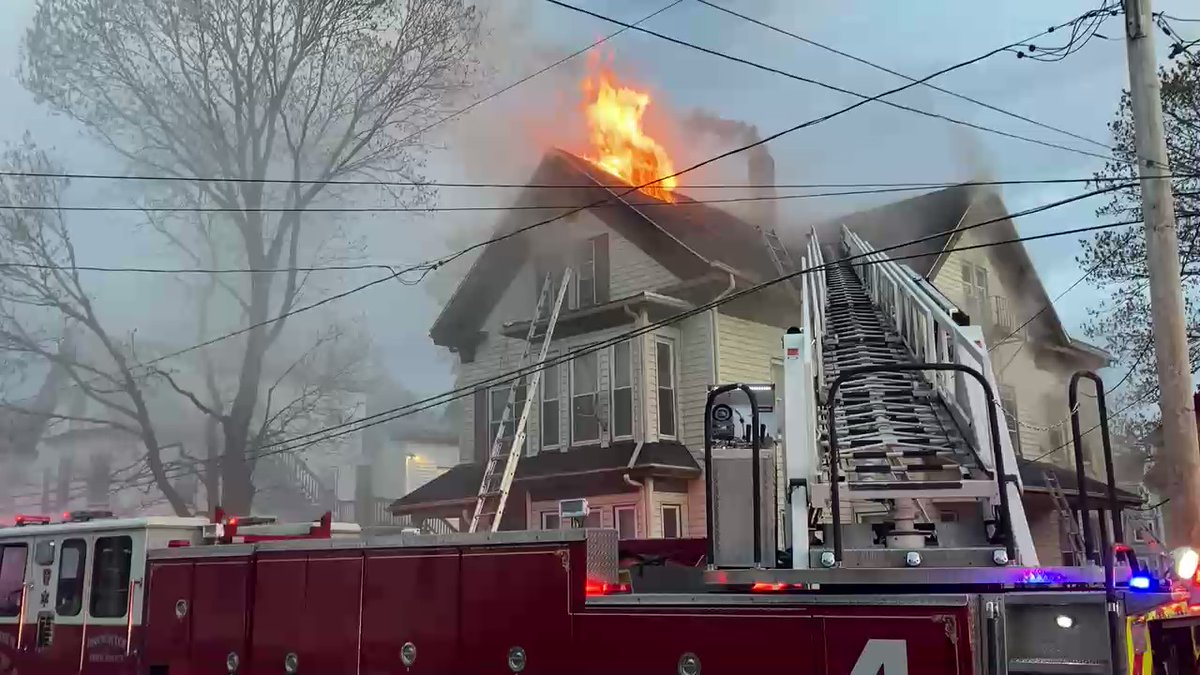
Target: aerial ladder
{"x":903,"y":420}
{"x":500,"y":467}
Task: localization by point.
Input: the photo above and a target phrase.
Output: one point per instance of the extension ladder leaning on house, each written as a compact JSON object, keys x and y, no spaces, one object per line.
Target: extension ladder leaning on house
{"x":500,"y":467}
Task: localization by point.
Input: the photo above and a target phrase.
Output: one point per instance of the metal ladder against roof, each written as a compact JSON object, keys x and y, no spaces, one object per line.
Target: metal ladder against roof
{"x":501,"y":465}
{"x":1065,"y":515}
{"x":784,"y":264}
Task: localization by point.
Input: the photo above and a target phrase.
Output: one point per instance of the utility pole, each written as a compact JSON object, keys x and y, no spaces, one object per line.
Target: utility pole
{"x":1181,"y":449}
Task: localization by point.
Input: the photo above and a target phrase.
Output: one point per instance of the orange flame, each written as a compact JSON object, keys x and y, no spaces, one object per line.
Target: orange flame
{"x":618,"y":144}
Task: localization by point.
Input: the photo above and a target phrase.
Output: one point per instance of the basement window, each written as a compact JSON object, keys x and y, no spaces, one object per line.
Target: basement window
{"x":672,"y":521}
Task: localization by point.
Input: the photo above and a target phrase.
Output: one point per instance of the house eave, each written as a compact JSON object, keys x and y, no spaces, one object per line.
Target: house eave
{"x":599,"y":317}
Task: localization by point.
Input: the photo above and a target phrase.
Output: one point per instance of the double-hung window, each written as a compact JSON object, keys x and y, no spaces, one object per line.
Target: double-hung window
{"x":622,"y":390}
{"x":550,"y":415}
{"x":498,"y":397}
{"x":664,"y":358}
{"x":585,"y":395}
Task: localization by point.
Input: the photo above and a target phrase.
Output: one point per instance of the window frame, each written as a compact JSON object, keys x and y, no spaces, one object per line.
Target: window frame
{"x":585,"y":259}
{"x":659,"y":343}
{"x":25,"y":548}
{"x":575,"y":439}
{"x":1007,"y":393}
{"x":618,"y":509}
{"x":545,"y":515}
{"x":98,"y":594}
{"x":613,"y":388}
{"x":81,"y":576}
{"x":551,"y":373}
{"x":678,"y":519}
{"x":494,"y":425}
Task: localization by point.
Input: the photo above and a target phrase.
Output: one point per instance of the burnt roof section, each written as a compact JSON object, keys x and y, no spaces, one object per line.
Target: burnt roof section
{"x":686,"y":237}
{"x":462,"y":482}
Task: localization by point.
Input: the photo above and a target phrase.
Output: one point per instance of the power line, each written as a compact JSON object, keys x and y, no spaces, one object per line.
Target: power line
{"x":507,"y":208}
{"x":866,"y":98}
{"x":872,"y":64}
{"x":572,"y":186}
{"x":323,"y":435}
{"x":760,"y":286}
{"x":431,"y":265}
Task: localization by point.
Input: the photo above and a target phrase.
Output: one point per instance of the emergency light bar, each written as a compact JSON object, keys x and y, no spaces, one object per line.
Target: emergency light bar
{"x":23,"y":520}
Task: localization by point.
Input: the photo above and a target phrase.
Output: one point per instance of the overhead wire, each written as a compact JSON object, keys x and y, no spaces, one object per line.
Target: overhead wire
{"x":301,"y":441}
{"x":842,"y":90}
{"x":433,"y":264}
{"x":890,"y":71}
{"x":738,"y":294}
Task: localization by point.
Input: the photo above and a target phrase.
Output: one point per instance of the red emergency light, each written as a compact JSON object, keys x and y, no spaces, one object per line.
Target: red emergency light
{"x":22,"y":520}
{"x":598,"y":588}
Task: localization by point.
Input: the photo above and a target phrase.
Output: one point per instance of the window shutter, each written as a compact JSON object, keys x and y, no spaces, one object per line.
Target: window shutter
{"x":602,"y":269}
{"x":482,"y":442}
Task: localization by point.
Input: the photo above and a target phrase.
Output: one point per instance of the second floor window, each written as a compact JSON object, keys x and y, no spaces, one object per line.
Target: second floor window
{"x":550,"y":414}
{"x":498,"y":398}
{"x":975,"y":291}
{"x":585,"y":389}
{"x":665,"y":367}
{"x":622,"y":390}
{"x":1008,"y":402}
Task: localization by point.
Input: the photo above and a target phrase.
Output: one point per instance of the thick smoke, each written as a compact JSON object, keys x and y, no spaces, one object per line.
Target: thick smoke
{"x":760,"y":165}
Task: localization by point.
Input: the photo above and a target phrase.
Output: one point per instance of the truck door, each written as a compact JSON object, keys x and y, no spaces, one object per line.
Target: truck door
{"x":54,"y":615}
{"x":113,"y":601}
{"x":14,"y":558}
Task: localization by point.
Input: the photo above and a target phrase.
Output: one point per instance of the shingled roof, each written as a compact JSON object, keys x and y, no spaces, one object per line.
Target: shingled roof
{"x":689,"y":238}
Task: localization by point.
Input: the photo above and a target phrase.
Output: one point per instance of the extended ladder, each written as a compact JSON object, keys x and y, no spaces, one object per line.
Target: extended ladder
{"x":500,"y":467}
{"x":1066,"y":516}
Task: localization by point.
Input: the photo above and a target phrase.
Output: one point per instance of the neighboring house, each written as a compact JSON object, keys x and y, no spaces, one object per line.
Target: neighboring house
{"x":623,"y":426}
{"x":395,"y":460}
{"x":1032,"y":355}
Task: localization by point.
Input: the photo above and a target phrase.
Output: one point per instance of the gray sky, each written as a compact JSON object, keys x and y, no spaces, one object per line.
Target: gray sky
{"x":501,"y":139}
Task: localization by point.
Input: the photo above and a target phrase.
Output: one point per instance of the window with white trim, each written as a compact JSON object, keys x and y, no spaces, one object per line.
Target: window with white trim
{"x":585,"y":394}
{"x":672,"y":521}
{"x":625,"y":520}
{"x":622,"y":390}
{"x":664,"y":358}
{"x":550,"y":417}
{"x":585,"y":275}
{"x":550,"y":520}
{"x":1008,"y":403}
{"x":497,"y":398}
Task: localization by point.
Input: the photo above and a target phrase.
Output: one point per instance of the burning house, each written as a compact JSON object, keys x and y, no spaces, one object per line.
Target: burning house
{"x":623,"y":426}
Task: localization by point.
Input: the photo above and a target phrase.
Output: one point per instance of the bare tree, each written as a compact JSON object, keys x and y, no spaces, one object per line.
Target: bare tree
{"x":247,"y":90}
{"x":43,"y":302}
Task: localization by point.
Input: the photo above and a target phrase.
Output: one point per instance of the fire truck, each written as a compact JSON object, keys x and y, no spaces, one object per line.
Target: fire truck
{"x":819,"y":556}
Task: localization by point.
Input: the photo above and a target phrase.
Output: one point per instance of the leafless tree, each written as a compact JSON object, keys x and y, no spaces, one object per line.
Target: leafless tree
{"x":248,"y":90}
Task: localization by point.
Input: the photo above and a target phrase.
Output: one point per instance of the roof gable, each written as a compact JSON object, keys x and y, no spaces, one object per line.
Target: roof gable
{"x":687,"y":238}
